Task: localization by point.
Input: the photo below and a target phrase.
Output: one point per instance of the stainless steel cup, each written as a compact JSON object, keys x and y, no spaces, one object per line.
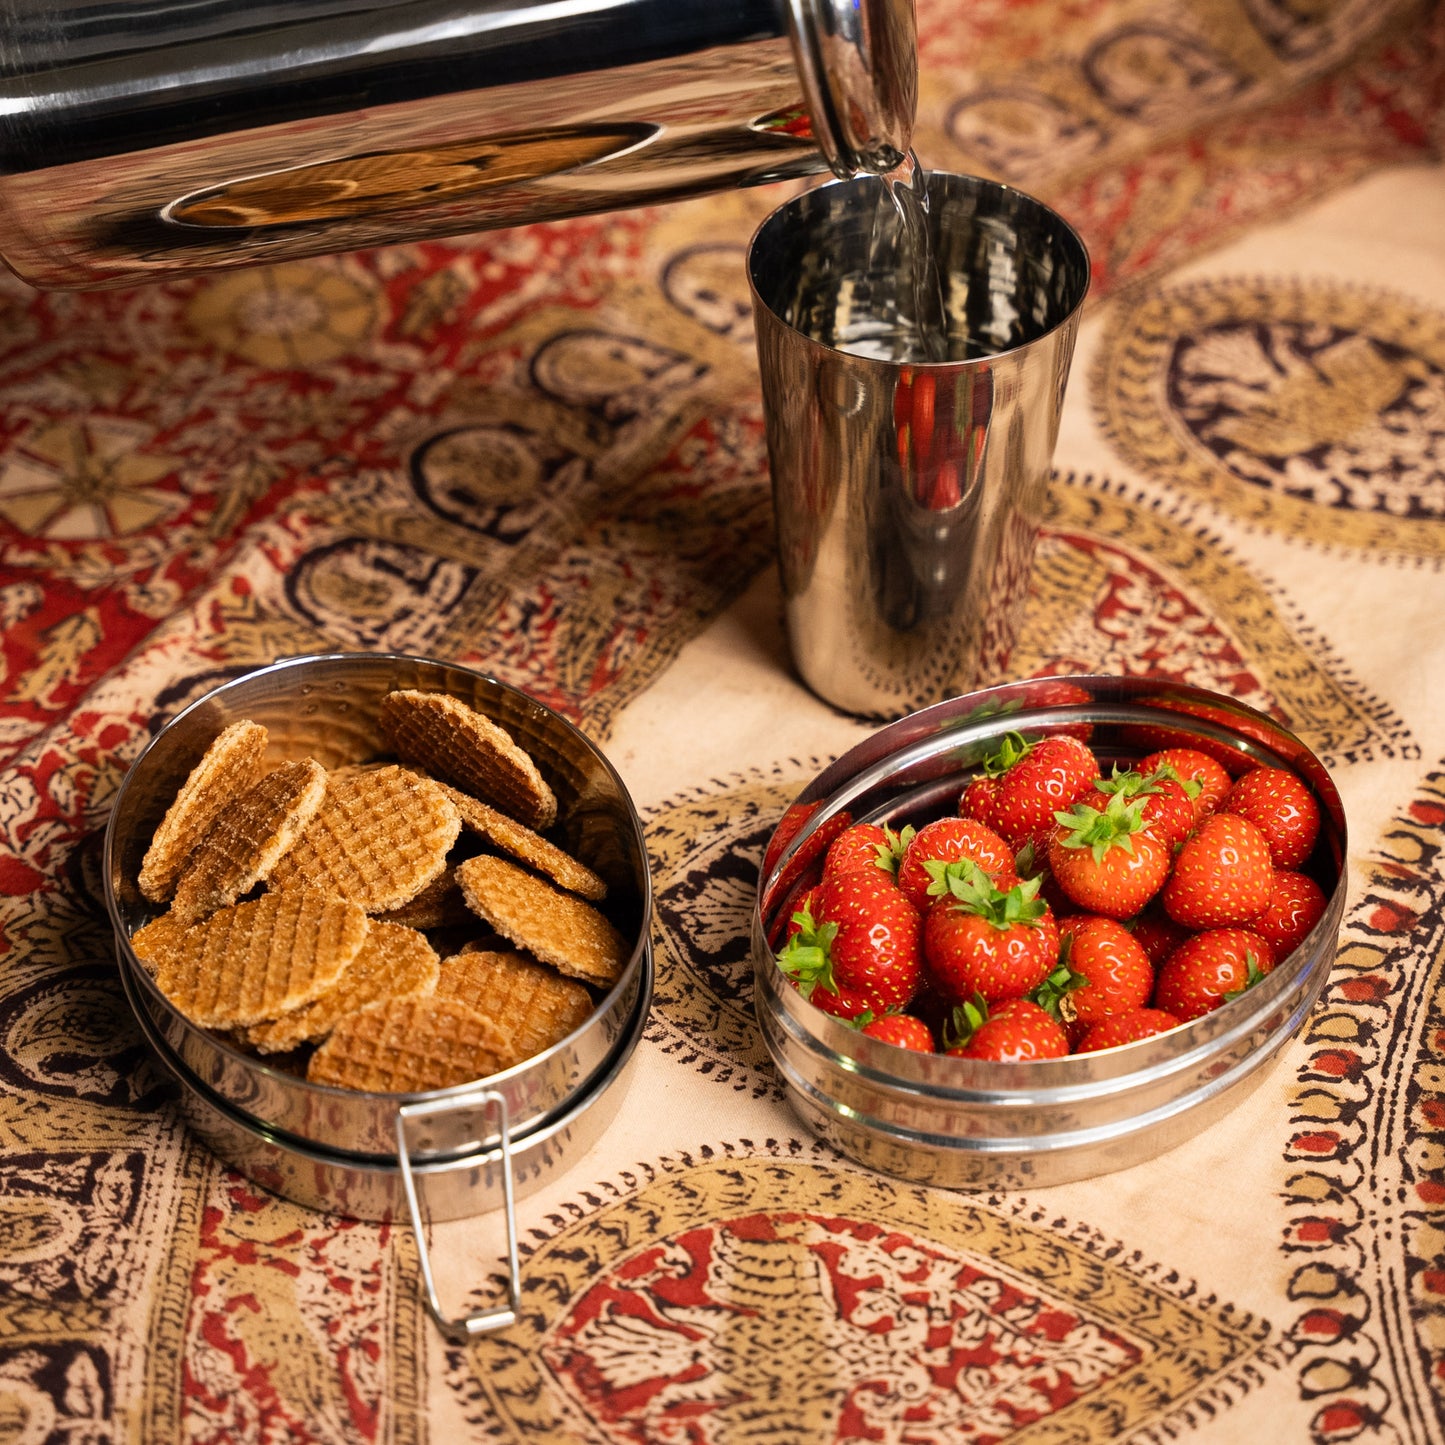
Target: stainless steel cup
{"x":908,"y":491}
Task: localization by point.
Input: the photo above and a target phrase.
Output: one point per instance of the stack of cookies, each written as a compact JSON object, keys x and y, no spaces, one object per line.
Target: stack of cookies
{"x":396,"y":925}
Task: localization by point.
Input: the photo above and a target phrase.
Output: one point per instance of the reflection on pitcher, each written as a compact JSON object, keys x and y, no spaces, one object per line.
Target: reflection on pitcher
{"x":389,"y":182}
{"x":156,"y":138}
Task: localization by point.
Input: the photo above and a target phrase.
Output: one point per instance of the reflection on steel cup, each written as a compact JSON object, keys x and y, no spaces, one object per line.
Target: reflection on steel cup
{"x":908,"y":493}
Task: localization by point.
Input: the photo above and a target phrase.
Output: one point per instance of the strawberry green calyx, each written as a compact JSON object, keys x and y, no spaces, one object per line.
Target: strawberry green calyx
{"x":1253,"y":974}
{"x":890,"y":852}
{"x":1128,"y":784}
{"x":1032,"y":860}
{"x":807,"y":955}
{"x":1099,"y":831}
{"x":964,"y":1021}
{"x":1167,"y":771}
{"x":973,"y":891}
{"x":1053,"y":994}
{"x":1014,"y":749}
{"x":949,"y":878}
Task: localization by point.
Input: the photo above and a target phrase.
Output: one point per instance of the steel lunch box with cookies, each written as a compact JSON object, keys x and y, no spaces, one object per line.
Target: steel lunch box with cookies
{"x":975,"y":1123}
{"x":383,"y":1150}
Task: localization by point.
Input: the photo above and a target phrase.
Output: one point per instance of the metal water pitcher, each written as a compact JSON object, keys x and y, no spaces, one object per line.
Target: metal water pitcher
{"x":152,"y":138}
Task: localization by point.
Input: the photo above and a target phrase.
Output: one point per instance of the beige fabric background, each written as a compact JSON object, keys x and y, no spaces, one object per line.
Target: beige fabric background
{"x":202,"y":476}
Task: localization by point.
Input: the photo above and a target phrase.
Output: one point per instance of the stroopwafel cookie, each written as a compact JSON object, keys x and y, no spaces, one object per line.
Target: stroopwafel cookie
{"x":554,"y":926}
{"x":231,"y":764}
{"x":378,"y":838}
{"x":248,"y":838}
{"x":394,"y":963}
{"x":521,"y":842}
{"x":153,"y":940}
{"x":439,"y":905}
{"x":530,"y":1003}
{"x":257,"y":960}
{"x":461,"y":746}
{"x":409,"y":1046}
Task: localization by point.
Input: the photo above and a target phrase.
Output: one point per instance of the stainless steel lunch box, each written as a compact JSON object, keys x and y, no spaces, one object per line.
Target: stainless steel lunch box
{"x":964,"y":1123}
{"x":455,"y":1151}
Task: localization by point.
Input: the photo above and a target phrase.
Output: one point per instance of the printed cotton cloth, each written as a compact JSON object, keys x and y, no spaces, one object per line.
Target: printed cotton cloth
{"x":541,"y":451}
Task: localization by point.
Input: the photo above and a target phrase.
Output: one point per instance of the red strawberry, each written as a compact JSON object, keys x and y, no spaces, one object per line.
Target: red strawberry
{"x":1168,"y":800}
{"x":1157,"y":934}
{"x":1032,"y":861}
{"x":1209,"y":969}
{"x":947,"y":840}
{"x":1108,"y":862}
{"x":1282,"y":808}
{"x":1222,"y":874}
{"x":866,"y":845}
{"x":1296,"y":904}
{"x":810,"y":851}
{"x":1127,"y":1028}
{"x":1103,"y":971}
{"x":903,"y":1030}
{"x":979,"y":800}
{"x":1026,"y":783}
{"x":1192,"y":766}
{"x":980,"y":940}
{"x":1016,"y":1031}
{"x":857,"y":947}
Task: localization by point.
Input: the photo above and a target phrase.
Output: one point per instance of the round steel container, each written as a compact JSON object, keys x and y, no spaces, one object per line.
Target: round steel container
{"x":363,"y":1186}
{"x":967,"y":1123}
{"x":326,"y":707}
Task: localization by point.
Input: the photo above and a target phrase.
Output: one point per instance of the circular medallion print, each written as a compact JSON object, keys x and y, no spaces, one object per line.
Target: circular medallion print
{"x":706,"y":849}
{"x":66,"y":1037}
{"x":781,"y":1300}
{"x":1313,"y":408}
{"x":375,"y":594}
{"x":706,"y":283}
{"x":88,"y":481}
{"x":485,"y":478}
{"x":301,"y":314}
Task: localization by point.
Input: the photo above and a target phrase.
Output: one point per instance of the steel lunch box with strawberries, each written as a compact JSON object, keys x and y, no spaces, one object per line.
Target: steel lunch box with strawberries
{"x":975,"y":1123}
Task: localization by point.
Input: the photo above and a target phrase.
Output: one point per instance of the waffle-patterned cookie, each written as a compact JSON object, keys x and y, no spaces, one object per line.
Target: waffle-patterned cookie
{"x":408,"y":1046}
{"x":460,"y":746}
{"x":521,"y":842}
{"x":395,"y":962}
{"x":152,"y":941}
{"x":228,"y":767}
{"x":439,"y":905}
{"x":378,"y":838}
{"x":257,"y":960}
{"x":551,"y":925}
{"x":530,"y":1003}
{"x":248,"y":838}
